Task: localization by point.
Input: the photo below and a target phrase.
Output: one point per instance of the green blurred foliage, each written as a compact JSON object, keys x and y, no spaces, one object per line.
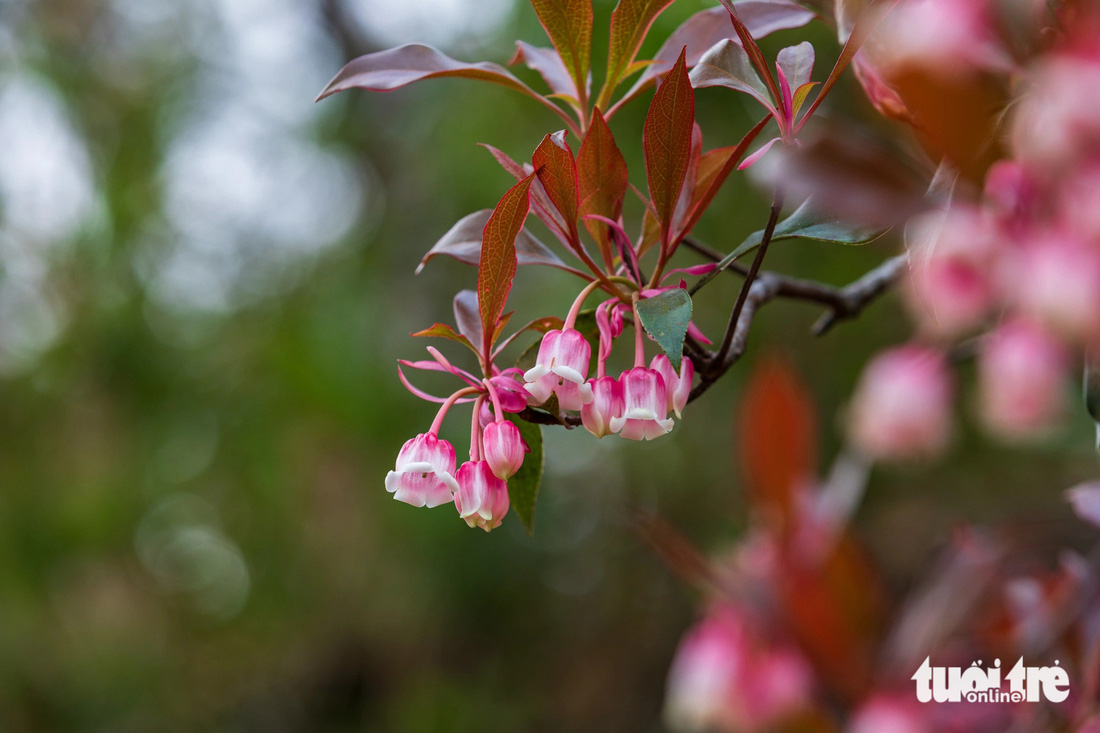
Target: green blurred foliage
{"x":195,"y":534}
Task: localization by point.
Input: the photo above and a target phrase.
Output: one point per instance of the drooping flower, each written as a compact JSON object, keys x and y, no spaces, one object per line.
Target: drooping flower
{"x":1022,"y":378}
{"x":902,"y":405}
{"x":678,"y":386}
{"x":645,"y":406}
{"x":949,"y":288}
{"x":606,"y":405}
{"x":561,"y":369}
{"x":1056,"y":280}
{"x":424,"y":474}
{"x":725,"y":677}
{"x":504,"y":448}
{"x":481,"y":498}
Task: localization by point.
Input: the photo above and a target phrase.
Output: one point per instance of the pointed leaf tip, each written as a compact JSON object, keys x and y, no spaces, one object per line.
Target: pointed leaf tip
{"x":665,"y":317}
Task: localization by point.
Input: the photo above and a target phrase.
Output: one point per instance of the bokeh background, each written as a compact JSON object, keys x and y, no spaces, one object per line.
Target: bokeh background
{"x":205,"y":281}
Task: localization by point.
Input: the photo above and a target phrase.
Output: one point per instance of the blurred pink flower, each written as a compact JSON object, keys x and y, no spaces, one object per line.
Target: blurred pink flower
{"x":725,"y":677}
{"x":1022,"y":379}
{"x":1057,"y":119}
{"x":950,"y":289}
{"x":950,"y":37}
{"x":1056,"y":279}
{"x":902,"y":405}
{"x":890,"y":713}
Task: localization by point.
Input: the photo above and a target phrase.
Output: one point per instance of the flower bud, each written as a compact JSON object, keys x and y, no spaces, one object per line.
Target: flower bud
{"x":678,"y":386}
{"x":561,"y":369}
{"x":1022,"y":378}
{"x":424,"y":474}
{"x":606,"y":405}
{"x":482,"y":498}
{"x":902,"y":405}
{"x":504,"y":448}
{"x":645,"y":406}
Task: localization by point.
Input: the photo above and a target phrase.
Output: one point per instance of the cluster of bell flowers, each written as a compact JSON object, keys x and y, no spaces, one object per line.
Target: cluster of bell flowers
{"x":425,"y":474}
{"x":635,"y":405}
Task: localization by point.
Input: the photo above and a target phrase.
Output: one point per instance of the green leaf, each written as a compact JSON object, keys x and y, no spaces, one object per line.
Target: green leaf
{"x":443,"y":331}
{"x":523,"y":487}
{"x":568,"y":23}
{"x":630,"y":22}
{"x":665,"y":318}
{"x":805,"y":223}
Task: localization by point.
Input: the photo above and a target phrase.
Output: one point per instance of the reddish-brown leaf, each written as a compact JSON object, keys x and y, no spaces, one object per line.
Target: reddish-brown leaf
{"x":467,"y":316}
{"x":630,"y":22}
{"x":569,"y":25}
{"x":714,"y":167}
{"x":396,"y":67}
{"x":754,"y":52}
{"x":666,"y":139}
{"x":777,"y":438}
{"x":463,"y":242}
{"x":548,"y":64}
{"x":603,"y":178}
{"x":557,"y":172}
{"x":540,"y":201}
{"x":443,"y":331}
{"x":707,"y":27}
{"x":497,"y":268}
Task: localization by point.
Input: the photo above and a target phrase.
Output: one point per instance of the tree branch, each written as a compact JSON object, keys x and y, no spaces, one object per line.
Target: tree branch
{"x":750,"y":276}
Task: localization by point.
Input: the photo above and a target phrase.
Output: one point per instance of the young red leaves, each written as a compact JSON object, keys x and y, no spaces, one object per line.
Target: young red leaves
{"x":666,"y":139}
{"x":569,"y":25}
{"x":497,"y":267}
{"x":557,"y":172}
{"x":603,"y":179}
{"x":630,"y":22}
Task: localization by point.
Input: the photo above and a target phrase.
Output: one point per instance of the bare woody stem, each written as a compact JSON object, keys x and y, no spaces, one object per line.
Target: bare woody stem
{"x":750,"y":277}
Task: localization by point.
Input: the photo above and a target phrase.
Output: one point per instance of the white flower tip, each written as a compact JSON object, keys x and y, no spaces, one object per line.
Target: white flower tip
{"x":569,"y":374}
{"x":536,"y":373}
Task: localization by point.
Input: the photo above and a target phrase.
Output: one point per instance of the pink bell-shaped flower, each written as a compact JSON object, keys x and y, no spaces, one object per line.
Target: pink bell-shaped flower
{"x":645,"y":406}
{"x":1022,"y":376}
{"x":902,"y":405}
{"x":504,"y":448}
{"x":606,"y":405}
{"x":482,"y":498}
{"x":561,"y":369}
{"x":678,"y":386}
{"x":424,"y":474}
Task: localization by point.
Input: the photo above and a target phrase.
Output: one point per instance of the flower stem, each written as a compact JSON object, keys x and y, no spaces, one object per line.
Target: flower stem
{"x":639,"y":337}
{"x":499,"y":413}
{"x":574,"y":311}
{"x":438,"y":422}
{"x":475,"y":430}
